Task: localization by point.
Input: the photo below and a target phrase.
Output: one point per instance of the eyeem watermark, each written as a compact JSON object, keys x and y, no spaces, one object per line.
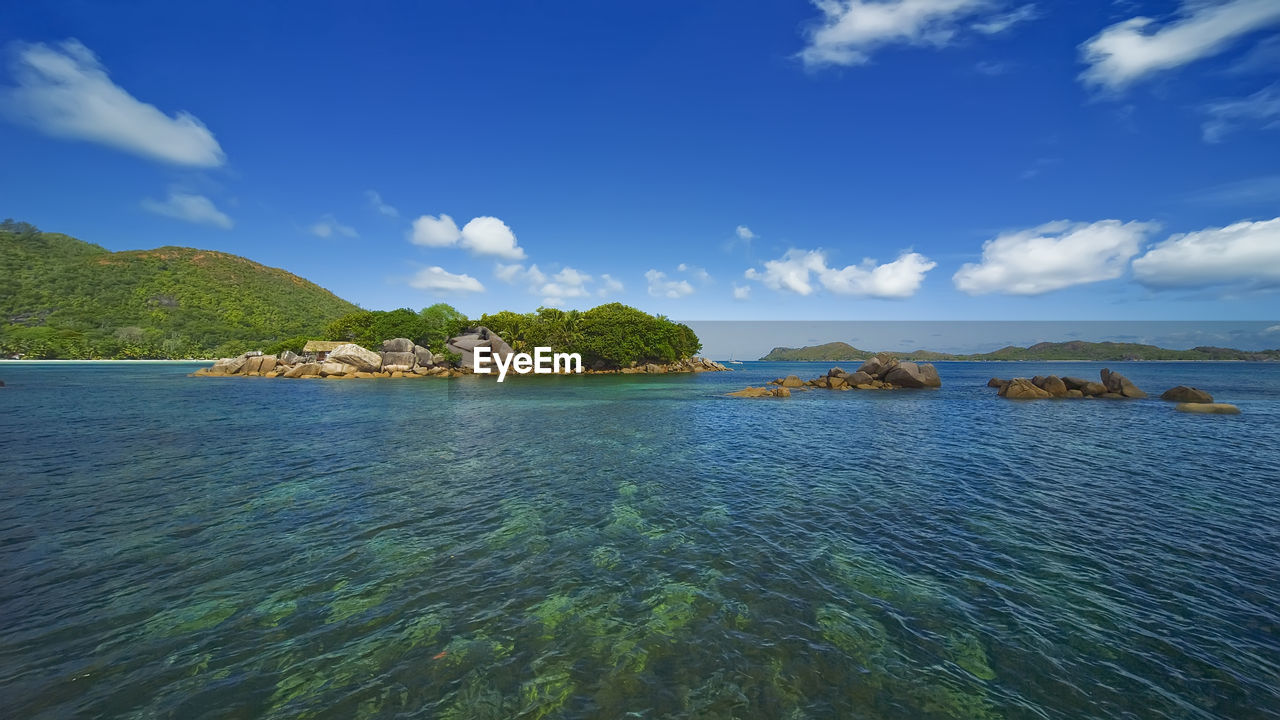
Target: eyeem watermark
{"x":541,"y":362}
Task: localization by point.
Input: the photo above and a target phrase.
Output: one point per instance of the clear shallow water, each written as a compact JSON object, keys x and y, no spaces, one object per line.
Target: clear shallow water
{"x":635,"y":547}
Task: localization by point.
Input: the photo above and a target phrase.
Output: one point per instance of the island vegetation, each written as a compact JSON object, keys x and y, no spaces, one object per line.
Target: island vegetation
{"x":1045,"y":351}
{"x":68,"y":299}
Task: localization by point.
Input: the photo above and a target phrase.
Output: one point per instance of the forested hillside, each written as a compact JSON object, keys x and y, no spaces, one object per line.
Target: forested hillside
{"x":64,"y":298}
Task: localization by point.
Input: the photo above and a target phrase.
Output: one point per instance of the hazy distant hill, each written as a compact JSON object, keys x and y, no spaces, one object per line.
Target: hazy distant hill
{"x":62,"y":297}
{"x":1073,"y":350}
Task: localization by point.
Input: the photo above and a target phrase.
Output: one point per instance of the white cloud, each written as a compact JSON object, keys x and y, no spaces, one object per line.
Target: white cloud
{"x":997,"y":24}
{"x":661,"y":286}
{"x":1053,"y":256}
{"x":1245,"y":253}
{"x":803,"y":271}
{"x":64,"y":91}
{"x":898,"y":279}
{"x":437,"y":279}
{"x":741,"y":292}
{"x":490,"y":236}
{"x":192,"y":208}
{"x":1135,"y":48}
{"x":744,"y":233}
{"x":850,"y":30}
{"x":697,"y":273}
{"x":328,"y":226}
{"x":434,"y":231}
{"x":1262,"y":107}
{"x":608,"y":285}
{"x":556,"y":289}
{"x":376,"y":202}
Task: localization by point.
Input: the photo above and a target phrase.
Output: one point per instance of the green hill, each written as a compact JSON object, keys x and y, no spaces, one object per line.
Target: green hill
{"x":829,"y":352}
{"x":65,"y":298}
{"x":1072,"y":350}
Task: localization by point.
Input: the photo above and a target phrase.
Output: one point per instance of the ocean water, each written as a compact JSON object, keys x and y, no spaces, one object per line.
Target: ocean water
{"x":609,"y":547}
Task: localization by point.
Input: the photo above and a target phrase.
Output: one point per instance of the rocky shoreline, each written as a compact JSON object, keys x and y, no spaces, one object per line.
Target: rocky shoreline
{"x":1113,"y":386}
{"x":402,"y":358}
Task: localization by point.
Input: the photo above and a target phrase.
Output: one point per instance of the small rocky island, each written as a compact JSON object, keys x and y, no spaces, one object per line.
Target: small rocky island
{"x":882,"y":372}
{"x":1113,"y":385}
{"x":402,"y":358}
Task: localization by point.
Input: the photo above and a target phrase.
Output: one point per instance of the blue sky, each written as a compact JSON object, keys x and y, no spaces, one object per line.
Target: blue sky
{"x":846,"y":160}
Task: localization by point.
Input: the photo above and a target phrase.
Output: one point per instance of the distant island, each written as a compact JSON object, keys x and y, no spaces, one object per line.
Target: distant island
{"x":1071,"y":350}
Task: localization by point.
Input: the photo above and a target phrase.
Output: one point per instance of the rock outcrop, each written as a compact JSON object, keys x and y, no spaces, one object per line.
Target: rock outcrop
{"x":352,"y":354}
{"x":465,"y":344}
{"x":1117,"y":383}
{"x":1208,"y":408}
{"x":1186,"y":394}
{"x":882,"y":372}
{"x":353,"y":361}
{"x":1113,"y":385}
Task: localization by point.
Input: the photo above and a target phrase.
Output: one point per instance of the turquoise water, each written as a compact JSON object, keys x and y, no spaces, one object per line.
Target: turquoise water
{"x":605,"y":547}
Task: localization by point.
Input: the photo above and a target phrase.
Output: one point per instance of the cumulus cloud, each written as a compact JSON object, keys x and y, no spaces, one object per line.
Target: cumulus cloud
{"x":482,"y":235}
{"x":376,"y":202}
{"x":1261,"y":108}
{"x":744,"y":233}
{"x":431,"y":231}
{"x":437,"y":279}
{"x":1132,"y":49}
{"x":1053,"y":256}
{"x":741,"y":292}
{"x":804,"y":271}
{"x":850,"y":30}
{"x":328,"y":226}
{"x":661,"y":286}
{"x":191,"y":208}
{"x":64,"y":91}
{"x":1242,"y":254}
{"x":490,"y":236}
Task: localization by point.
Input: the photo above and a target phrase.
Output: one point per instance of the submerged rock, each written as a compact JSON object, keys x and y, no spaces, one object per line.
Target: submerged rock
{"x":753,"y":392}
{"x":1208,"y":408}
{"x":1186,"y":394}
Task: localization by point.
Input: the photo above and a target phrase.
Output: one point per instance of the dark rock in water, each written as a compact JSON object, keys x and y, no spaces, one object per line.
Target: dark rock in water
{"x":752,"y":392}
{"x":1186,"y":394}
{"x":930,"y":375}
{"x":1075,"y":383}
{"x":1120,"y":385}
{"x":905,"y":374}
{"x":398,"y":361}
{"x":397,"y":345}
{"x":836,"y":372}
{"x":1022,"y":389}
{"x":1,"y":383}
{"x":1093,"y":389}
{"x":1208,"y":408}
{"x":879,"y":366}
{"x":997,"y":382}
{"x":1054,"y":386}
{"x":425,"y":357}
{"x":858,"y":378}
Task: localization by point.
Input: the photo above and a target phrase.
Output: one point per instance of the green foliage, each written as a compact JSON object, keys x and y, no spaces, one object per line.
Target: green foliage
{"x":430,"y":327}
{"x":64,"y":298}
{"x":614,"y":334}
